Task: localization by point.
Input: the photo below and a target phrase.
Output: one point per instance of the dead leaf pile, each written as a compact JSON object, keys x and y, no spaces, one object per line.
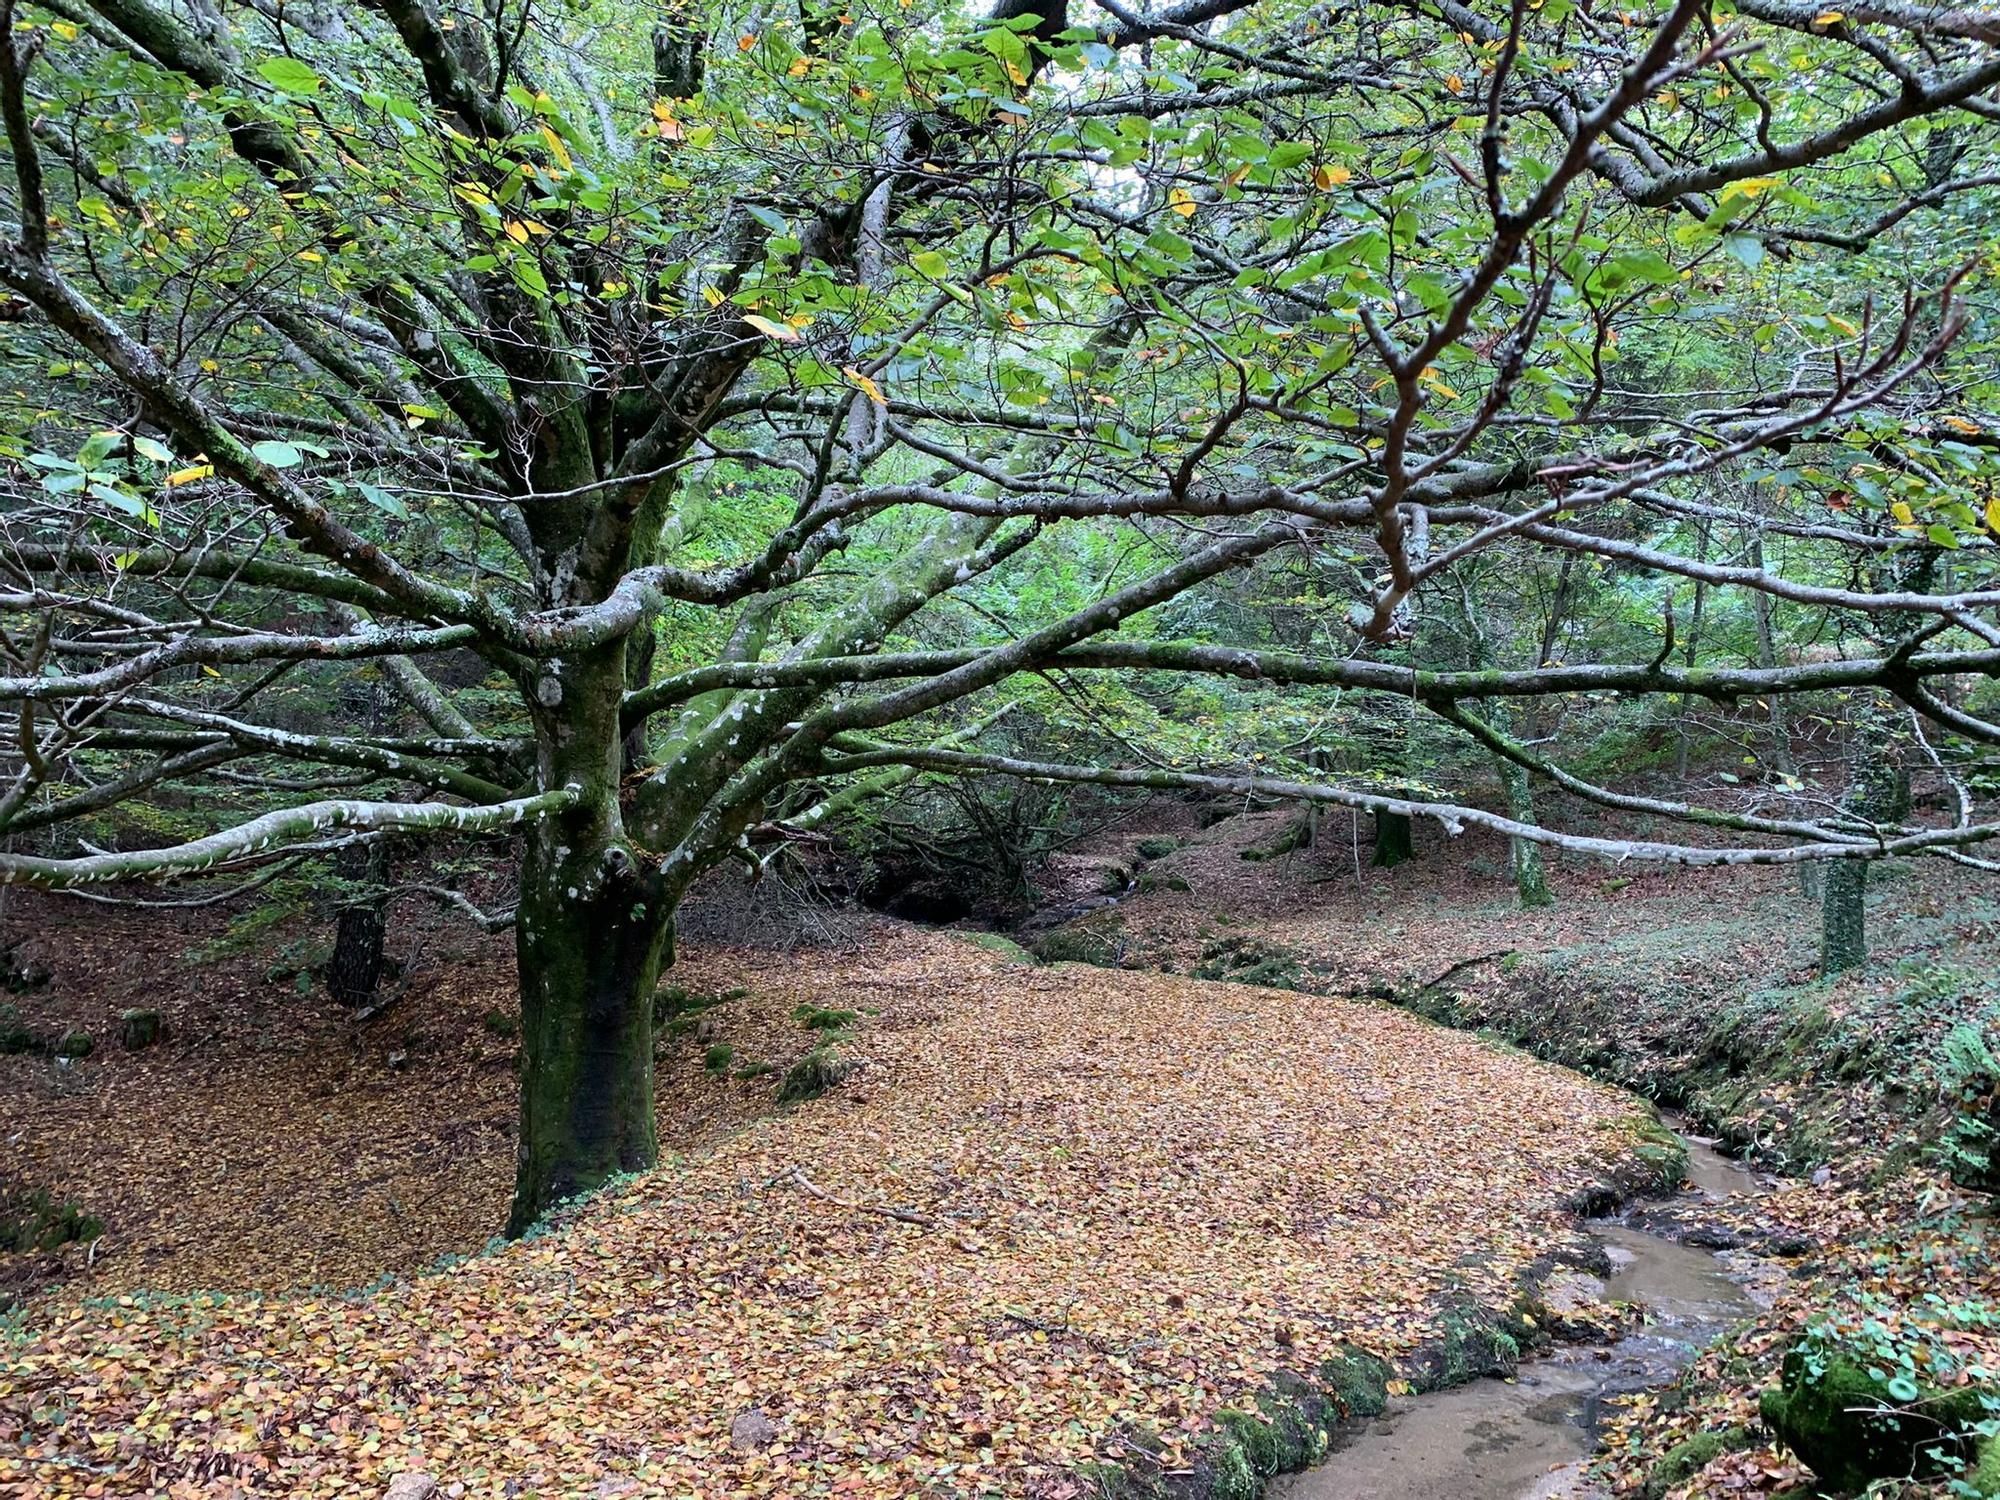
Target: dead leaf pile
{"x":1048,"y":1205}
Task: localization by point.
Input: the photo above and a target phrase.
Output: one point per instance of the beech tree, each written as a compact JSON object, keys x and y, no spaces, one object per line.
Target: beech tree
{"x":689,"y":368}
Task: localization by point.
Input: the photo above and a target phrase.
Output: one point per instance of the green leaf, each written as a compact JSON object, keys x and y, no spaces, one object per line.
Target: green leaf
{"x":148,"y":448}
{"x":278,"y":455}
{"x":288,"y":75}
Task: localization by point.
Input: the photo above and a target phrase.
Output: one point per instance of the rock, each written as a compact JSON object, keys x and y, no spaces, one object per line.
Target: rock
{"x":1846,"y":1427}
{"x":752,"y":1430}
{"x":74,"y":1043}
{"x":411,"y":1487}
{"x":1683,"y":1461}
{"x":138,"y":1029}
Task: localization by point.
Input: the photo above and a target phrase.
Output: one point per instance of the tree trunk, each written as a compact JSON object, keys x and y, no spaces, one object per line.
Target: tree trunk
{"x":355,"y":969}
{"x":1393,"y":843}
{"x":1878,"y":791}
{"x":593,"y":924}
{"x":1525,"y":855}
{"x":1844,"y":916}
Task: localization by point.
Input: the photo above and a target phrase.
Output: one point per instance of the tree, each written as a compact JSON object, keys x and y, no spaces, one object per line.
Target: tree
{"x":749,"y":402}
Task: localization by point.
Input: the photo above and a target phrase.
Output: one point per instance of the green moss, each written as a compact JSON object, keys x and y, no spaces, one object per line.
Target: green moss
{"x":1683,"y":1461}
{"x":718,"y":1058}
{"x":1006,"y":947}
{"x":1844,"y":1424}
{"x":1157,"y":847}
{"x":503,"y":1024}
{"x":16,"y":1035}
{"x":815,"y":1074}
{"x":74,"y":1043}
{"x":815,"y":1018}
{"x":758,"y":1069}
{"x":1096,"y":943}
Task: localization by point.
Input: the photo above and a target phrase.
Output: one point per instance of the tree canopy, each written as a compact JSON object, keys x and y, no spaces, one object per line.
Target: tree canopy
{"x":693,"y":415}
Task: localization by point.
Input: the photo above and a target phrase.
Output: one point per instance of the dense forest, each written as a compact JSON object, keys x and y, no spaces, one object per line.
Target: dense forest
{"x":653,"y":529}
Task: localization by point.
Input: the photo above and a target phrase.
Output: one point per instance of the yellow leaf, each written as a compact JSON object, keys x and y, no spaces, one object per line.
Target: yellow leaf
{"x":1330,"y":177}
{"x":862,"y":383}
{"x":1014,"y":73}
{"x":1959,"y":424}
{"x":1903,"y":514}
{"x":517,"y":231}
{"x":189,"y":475}
{"x":799,"y":68}
{"x":1829,"y":18}
{"x":556,"y":147}
{"x":1993,"y":516}
{"x":711,"y":296}
{"x":1455,"y":84}
{"x":772,"y":330}
{"x":1182,"y":202}
{"x":662,"y":110}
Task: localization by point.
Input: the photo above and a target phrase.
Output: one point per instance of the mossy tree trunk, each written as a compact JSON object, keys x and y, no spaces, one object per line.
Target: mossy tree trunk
{"x":1878,"y":792}
{"x":1393,"y":840}
{"x":593,"y":925}
{"x":1524,"y":854}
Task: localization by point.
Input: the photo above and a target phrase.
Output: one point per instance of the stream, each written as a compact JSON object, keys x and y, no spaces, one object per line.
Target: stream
{"x":1530,"y":1438}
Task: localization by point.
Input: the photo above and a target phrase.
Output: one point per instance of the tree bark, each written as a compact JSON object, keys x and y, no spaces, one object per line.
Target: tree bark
{"x":1525,"y":856}
{"x":594,"y":923}
{"x":1393,"y":842}
{"x":355,"y":970}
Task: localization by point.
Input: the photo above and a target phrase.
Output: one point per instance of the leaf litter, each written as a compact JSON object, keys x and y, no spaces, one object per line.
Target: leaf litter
{"x":1048,"y":1207}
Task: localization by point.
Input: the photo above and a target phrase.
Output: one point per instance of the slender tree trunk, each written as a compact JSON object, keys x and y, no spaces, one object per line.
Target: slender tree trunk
{"x":1878,"y":791}
{"x":1844,"y":916}
{"x":1525,"y":855}
{"x":593,"y":926}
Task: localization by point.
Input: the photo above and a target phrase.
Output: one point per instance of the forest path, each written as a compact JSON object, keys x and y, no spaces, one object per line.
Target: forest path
{"x":1050,"y":1206}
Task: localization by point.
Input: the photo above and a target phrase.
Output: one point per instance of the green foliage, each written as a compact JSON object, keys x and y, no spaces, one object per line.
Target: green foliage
{"x":718,"y":1058}
{"x":33,"y":1220}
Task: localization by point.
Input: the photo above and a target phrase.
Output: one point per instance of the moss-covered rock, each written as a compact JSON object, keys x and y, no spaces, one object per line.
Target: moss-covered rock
{"x":1683,"y":1461}
{"x":74,"y":1043}
{"x":815,"y":1074}
{"x":1098,"y":943}
{"x":1844,"y":1424}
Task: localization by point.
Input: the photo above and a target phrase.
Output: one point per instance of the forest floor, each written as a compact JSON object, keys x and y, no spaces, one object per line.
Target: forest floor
{"x":1050,"y":1210}
{"x":1698,"y":988}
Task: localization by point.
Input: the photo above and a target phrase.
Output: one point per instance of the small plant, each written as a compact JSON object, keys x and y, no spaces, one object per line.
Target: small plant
{"x":816,"y":1018}
{"x":501,"y":1023}
{"x":1970,"y":1076}
{"x":36,"y":1221}
{"x":718,"y":1058}
{"x":758,"y":1069}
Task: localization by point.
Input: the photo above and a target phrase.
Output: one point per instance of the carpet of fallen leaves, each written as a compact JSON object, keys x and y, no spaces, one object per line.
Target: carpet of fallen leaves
{"x":1050,"y":1204}
{"x":1889,"y":1255}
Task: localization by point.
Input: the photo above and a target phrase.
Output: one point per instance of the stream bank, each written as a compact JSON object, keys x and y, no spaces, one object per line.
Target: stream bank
{"x":1531,"y":1437}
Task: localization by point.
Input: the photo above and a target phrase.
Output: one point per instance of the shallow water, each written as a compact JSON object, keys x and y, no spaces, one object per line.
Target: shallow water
{"x":1527,"y":1439}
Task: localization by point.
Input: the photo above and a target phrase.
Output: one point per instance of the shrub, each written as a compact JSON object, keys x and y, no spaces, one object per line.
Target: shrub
{"x":718,"y":1058}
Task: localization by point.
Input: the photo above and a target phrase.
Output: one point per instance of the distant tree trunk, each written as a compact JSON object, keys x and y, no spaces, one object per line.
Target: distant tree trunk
{"x":1844,"y":917}
{"x":1782,"y":759}
{"x":1393,"y":843}
{"x":1878,"y":791}
{"x":1525,"y":854}
{"x":355,"y":969}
